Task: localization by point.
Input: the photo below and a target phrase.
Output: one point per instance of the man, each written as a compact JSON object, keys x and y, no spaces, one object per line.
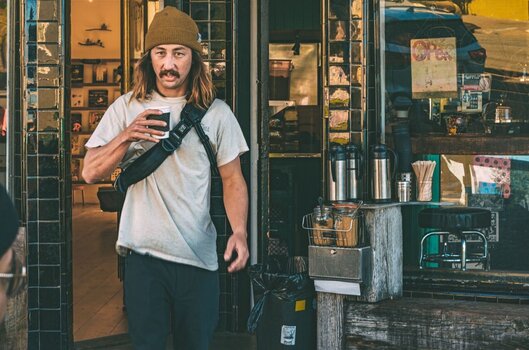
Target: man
{"x":171,"y":273}
{"x":12,"y":273}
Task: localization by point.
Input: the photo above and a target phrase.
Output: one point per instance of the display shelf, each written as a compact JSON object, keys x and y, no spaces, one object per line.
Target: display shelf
{"x":346,"y":66}
{"x":94,"y":60}
{"x":470,"y":144}
{"x":89,"y":108}
{"x":294,"y":155}
{"x":97,"y":183}
{"x":82,"y":85}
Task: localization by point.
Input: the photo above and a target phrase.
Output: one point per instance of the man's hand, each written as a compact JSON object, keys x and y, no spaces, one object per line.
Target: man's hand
{"x":236,"y":244}
{"x":138,"y":129}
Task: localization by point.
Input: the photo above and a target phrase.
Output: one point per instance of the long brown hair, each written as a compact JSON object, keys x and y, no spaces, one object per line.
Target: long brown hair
{"x":201,"y":93}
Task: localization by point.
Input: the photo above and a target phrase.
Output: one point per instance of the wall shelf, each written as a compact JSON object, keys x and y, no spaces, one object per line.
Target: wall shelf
{"x":97,"y":183}
{"x":81,"y":85}
{"x":470,"y":144}
{"x":89,"y":108}
{"x":294,"y":155}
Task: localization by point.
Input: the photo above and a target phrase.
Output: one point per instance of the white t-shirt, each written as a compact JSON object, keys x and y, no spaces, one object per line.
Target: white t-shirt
{"x":167,"y":215}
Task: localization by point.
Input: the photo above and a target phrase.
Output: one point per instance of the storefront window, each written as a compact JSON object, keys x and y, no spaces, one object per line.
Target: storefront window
{"x":457,"y":67}
{"x":455,"y":73}
{"x":498,"y":183}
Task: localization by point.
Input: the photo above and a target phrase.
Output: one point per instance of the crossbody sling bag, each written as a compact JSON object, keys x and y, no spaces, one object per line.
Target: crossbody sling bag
{"x":149,"y":161}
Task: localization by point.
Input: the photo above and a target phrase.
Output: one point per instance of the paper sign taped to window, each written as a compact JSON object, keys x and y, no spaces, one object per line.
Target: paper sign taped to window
{"x":433,"y":67}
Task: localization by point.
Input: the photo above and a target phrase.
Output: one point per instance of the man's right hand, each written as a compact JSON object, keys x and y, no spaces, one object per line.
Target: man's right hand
{"x":100,"y":162}
{"x":139,"y":130}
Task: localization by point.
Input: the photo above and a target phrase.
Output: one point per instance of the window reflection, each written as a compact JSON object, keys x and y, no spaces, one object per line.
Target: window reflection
{"x":480,"y":86}
{"x":498,"y":183}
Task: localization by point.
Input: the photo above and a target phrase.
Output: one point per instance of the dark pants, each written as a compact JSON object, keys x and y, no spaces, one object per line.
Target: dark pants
{"x":161,"y":294}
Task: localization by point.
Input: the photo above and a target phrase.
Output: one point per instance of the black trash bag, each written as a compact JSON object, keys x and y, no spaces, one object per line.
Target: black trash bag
{"x":285,"y":287}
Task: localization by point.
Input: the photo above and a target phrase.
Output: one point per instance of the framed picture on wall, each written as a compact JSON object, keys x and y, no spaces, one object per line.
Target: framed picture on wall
{"x":94,"y":118}
{"x":99,"y":73}
{"x":76,"y":169}
{"x":76,"y":120}
{"x":77,"y":98}
{"x":116,"y":75}
{"x":77,"y":73}
{"x":77,"y":143}
{"x":97,"y":98}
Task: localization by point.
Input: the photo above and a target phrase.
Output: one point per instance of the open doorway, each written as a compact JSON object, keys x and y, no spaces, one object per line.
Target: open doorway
{"x":96,"y":80}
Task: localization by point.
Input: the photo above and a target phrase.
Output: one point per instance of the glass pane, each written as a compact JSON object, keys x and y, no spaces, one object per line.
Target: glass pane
{"x":339,"y":9}
{"x":446,"y":63}
{"x":199,"y":12}
{"x":338,"y":30}
{"x":218,"y":50}
{"x":498,"y":183}
{"x":218,"y":12}
{"x":218,"y":31}
{"x":339,"y":75}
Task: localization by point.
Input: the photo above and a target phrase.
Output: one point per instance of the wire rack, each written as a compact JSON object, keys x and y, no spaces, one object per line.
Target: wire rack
{"x":338,"y":231}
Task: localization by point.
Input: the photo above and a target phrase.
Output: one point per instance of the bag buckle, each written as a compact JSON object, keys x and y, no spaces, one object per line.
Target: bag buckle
{"x":171,"y":143}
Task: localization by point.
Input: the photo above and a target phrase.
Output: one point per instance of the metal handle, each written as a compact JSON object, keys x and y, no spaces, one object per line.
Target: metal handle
{"x":395,"y":163}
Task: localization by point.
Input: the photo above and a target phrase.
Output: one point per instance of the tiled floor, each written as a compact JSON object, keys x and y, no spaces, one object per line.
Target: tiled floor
{"x":97,"y":291}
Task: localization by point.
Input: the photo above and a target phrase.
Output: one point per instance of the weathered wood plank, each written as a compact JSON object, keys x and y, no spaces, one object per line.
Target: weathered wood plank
{"x":330,"y":321}
{"x":437,"y":324}
{"x":384,"y":228}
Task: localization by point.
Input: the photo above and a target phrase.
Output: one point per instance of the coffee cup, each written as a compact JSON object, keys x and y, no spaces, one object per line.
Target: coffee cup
{"x":165,"y":116}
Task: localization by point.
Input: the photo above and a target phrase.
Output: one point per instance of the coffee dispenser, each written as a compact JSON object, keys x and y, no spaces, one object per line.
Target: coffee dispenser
{"x":337,"y":177}
{"x":381,"y":175}
{"x":354,"y":171}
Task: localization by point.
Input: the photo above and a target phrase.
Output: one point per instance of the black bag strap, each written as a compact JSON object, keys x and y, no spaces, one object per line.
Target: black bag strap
{"x":148,"y":162}
{"x":195,"y":115}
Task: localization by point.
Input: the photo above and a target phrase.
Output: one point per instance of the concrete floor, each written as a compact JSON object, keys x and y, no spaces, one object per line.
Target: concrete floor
{"x":221,"y":341}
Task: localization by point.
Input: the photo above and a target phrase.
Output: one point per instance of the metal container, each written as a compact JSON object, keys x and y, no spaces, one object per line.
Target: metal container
{"x":331,"y":183}
{"x":354,"y":171}
{"x":350,"y":264}
{"x":381,"y":174}
{"x":404,"y":191}
{"x":322,"y":226}
{"x":337,"y":174}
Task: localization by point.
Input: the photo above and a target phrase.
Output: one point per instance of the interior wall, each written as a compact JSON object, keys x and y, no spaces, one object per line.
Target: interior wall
{"x":91,"y":14}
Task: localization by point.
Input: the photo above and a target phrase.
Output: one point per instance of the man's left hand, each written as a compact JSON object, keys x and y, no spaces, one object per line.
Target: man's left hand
{"x":236,"y":244}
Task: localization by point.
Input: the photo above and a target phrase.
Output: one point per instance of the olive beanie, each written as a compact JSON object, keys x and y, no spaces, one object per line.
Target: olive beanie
{"x":8,"y":222}
{"x":172,"y":26}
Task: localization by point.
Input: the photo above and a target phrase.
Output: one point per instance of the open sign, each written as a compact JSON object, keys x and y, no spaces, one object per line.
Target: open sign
{"x":433,"y":67}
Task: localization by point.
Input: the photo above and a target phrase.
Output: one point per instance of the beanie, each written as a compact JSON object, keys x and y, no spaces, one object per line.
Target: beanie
{"x":8,"y":222}
{"x":172,"y":26}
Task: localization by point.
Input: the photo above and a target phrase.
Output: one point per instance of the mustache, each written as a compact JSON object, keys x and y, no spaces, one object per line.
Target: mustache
{"x":169,"y":71}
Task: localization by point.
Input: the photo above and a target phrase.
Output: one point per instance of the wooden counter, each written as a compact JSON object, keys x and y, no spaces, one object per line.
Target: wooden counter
{"x":384,"y":229}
